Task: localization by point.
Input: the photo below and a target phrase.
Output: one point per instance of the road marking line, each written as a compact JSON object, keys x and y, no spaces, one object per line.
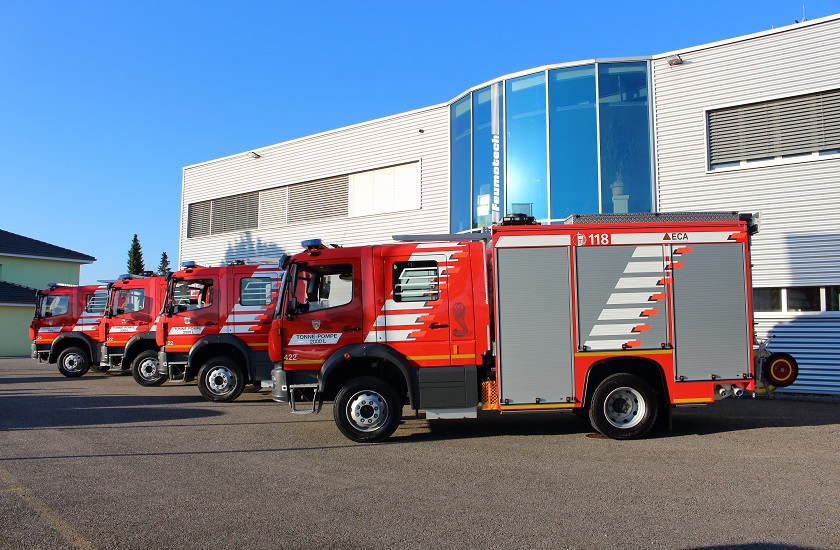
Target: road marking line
{"x":72,"y":536}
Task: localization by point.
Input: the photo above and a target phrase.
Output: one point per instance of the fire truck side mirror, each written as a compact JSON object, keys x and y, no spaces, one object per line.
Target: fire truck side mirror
{"x":291,"y":308}
{"x":169,"y":308}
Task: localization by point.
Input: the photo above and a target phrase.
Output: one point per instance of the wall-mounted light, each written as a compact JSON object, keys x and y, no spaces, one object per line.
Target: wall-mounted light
{"x":421,"y":130}
{"x":254,"y":154}
{"x":674,"y":60}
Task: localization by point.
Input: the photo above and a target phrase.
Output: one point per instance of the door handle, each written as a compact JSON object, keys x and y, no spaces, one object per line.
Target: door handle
{"x":210,"y":323}
{"x":438,"y":325}
{"x":351,"y":329}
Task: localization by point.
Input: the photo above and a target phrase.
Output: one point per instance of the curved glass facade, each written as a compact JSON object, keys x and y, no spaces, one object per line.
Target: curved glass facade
{"x":571,"y":140}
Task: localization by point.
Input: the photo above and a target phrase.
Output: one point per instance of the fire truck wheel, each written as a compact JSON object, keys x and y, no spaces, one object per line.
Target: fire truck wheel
{"x":220,"y":379}
{"x":781,"y":369}
{"x":623,"y":407}
{"x":367,"y":409}
{"x":73,"y":362}
{"x":144,"y":369}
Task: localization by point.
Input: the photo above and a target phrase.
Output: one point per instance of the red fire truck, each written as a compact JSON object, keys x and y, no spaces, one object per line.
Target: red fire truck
{"x":215,"y":324}
{"x":128,"y":330}
{"x":616,"y":316}
{"x":66,"y":326}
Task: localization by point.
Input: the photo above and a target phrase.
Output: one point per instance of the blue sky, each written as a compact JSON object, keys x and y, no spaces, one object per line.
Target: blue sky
{"x":103,"y":102}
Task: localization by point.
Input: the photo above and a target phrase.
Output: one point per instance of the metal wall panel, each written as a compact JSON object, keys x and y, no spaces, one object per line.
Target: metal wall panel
{"x":711,"y":322}
{"x":534,"y":324}
{"x":799,"y":241}
{"x":377,"y":144}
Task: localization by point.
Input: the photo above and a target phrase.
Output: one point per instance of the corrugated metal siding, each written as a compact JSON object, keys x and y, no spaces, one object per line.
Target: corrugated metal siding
{"x":799,"y":242}
{"x":378,"y":144}
{"x":814,"y":341}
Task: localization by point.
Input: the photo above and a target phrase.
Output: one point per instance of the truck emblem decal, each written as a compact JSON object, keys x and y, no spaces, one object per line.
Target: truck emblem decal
{"x":459,"y":311}
{"x":316,"y":324}
{"x":187,"y":320}
{"x":580,"y":239}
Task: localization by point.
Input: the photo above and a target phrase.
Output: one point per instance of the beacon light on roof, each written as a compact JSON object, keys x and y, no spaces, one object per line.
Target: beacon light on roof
{"x":187,"y":265}
{"x":313,"y":244}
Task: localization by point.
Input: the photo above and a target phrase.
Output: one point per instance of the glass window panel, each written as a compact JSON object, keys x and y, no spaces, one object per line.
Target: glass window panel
{"x":488,"y":155}
{"x":460,"y":193}
{"x":806,"y":298}
{"x":573,"y":141}
{"x":625,"y":137}
{"x":832,"y":298}
{"x":527,"y":160}
{"x":767,"y":299}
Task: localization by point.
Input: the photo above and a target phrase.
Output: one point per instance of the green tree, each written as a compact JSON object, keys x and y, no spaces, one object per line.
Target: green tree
{"x":163,"y":267}
{"x":135,"y":257}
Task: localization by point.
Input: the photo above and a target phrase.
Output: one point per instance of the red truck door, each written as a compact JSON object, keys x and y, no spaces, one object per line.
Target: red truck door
{"x":196,"y":312}
{"x":323,"y":312}
{"x":414,"y":318}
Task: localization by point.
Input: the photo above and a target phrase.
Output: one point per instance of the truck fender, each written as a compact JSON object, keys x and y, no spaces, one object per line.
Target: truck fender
{"x":87,"y":341}
{"x":376,"y":351}
{"x":141,"y":337}
{"x":222,"y":340}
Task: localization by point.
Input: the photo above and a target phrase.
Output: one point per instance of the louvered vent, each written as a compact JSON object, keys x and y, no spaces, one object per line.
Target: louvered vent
{"x":316,"y":200}
{"x":198,"y":219}
{"x":790,"y":126}
{"x":273,"y":205}
{"x":235,"y":213}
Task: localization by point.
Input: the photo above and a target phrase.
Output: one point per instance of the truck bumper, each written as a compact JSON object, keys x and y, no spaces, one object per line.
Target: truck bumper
{"x":279,"y":386}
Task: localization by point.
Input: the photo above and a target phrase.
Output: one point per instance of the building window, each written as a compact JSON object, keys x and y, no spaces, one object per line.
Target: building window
{"x":461,"y":144}
{"x":527,"y":157}
{"x":488,"y":156}
{"x":386,"y":190}
{"x":767,"y":299}
{"x":198,"y":219}
{"x":416,"y":281}
{"x":799,"y":299}
{"x":573,"y":138}
{"x":318,"y":200}
{"x":625,"y":137}
{"x":795,"y":127}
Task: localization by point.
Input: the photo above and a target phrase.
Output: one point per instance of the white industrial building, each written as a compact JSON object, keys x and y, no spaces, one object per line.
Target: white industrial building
{"x":749,"y":124}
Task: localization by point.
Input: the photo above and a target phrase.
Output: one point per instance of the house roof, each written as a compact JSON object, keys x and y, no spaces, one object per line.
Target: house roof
{"x":11,"y":293}
{"x":18,"y":245}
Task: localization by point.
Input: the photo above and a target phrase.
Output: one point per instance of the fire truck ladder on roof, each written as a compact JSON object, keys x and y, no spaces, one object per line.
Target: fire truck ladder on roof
{"x":301,"y":390}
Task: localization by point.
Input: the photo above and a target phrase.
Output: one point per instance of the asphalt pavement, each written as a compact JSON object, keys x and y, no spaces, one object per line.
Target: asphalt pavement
{"x":102,"y":462}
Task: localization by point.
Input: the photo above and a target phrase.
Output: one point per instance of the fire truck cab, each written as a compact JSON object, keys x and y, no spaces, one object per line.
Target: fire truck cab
{"x":214,"y":327}
{"x":128,"y":329}
{"x":66,"y":326}
{"x":619,"y":317}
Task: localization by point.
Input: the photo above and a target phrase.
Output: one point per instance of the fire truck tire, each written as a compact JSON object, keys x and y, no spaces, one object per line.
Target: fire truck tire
{"x":220,"y":379}
{"x":367,"y":410}
{"x":144,"y":369}
{"x":623,"y":407}
{"x":73,"y":362}
{"x":781,"y":369}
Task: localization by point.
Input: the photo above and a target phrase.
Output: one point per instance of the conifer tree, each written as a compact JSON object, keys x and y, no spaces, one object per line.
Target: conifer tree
{"x":135,"y":257}
{"x":163,"y":267}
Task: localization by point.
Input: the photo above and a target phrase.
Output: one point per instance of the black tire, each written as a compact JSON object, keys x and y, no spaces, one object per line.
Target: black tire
{"x":144,"y":369}
{"x":220,"y":379}
{"x":780,"y":369}
{"x":623,"y":407}
{"x":73,"y":362}
{"x":367,"y":409}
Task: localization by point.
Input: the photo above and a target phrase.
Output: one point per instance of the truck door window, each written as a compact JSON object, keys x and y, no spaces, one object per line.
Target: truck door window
{"x":255,"y":291}
{"x":96,"y":302}
{"x":54,"y":305}
{"x":191,"y":295}
{"x":129,"y":301}
{"x":323,"y":287}
{"x":416,"y":281}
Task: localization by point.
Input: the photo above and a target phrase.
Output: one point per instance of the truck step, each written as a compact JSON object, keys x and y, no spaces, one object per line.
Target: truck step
{"x":311,"y":401}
